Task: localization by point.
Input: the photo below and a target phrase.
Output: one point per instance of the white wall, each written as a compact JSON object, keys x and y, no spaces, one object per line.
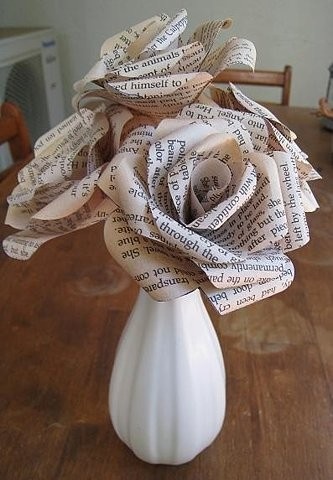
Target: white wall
{"x":295,"y":32}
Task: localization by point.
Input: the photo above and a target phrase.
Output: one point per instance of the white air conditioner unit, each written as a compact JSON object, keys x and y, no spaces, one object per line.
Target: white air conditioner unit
{"x":30,"y":77}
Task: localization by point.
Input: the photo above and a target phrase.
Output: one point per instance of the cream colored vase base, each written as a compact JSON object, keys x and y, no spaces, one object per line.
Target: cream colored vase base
{"x":167,"y":390}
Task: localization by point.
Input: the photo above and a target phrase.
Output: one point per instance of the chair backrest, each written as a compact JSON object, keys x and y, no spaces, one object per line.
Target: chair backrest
{"x":260,"y":77}
{"x":13,"y":130}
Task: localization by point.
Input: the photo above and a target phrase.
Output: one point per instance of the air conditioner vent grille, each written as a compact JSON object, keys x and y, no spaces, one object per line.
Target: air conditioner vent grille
{"x":25,"y":87}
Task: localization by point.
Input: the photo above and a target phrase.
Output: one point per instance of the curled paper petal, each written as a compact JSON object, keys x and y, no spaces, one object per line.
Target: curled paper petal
{"x":208,"y":32}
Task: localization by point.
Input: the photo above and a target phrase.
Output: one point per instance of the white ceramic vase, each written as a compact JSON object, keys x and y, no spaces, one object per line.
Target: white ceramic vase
{"x":167,"y":390}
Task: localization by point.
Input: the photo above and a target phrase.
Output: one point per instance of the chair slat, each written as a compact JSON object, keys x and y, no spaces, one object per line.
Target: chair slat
{"x":260,"y":77}
{"x":13,"y":130}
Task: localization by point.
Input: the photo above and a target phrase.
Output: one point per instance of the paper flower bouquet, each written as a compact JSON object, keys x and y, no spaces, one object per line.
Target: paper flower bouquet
{"x":198,"y":187}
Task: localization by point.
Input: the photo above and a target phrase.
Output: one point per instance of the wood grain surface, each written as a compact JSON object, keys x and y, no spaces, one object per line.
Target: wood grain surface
{"x":62,"y":314}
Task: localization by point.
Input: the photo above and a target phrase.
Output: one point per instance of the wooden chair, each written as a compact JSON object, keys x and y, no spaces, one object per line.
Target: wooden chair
{"x":13,"y":130}
{"x":260,"y":77}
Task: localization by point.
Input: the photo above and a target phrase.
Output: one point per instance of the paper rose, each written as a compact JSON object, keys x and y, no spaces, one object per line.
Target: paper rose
{"x":205,"y":201}
{"x":57,"y":191}
{"x":199,"y":187}
{"x":147,"y":67}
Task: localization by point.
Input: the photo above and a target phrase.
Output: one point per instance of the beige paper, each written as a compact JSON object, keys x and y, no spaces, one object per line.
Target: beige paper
{"x":198,"y":187}
{"x":149,"y":69}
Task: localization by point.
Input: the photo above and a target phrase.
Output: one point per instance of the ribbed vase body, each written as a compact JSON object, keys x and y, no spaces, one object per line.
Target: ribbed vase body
{"x":167,"y":390}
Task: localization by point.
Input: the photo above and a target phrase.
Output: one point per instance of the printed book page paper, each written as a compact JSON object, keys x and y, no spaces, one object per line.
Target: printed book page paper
{"x":198,"y":187}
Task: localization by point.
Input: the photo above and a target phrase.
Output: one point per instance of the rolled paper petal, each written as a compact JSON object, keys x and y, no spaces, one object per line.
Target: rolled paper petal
{"x":234,"y":297}
{"x":207,"y":33}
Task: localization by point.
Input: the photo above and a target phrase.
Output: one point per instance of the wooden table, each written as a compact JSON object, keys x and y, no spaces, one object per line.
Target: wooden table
{"x":62,"y":313}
